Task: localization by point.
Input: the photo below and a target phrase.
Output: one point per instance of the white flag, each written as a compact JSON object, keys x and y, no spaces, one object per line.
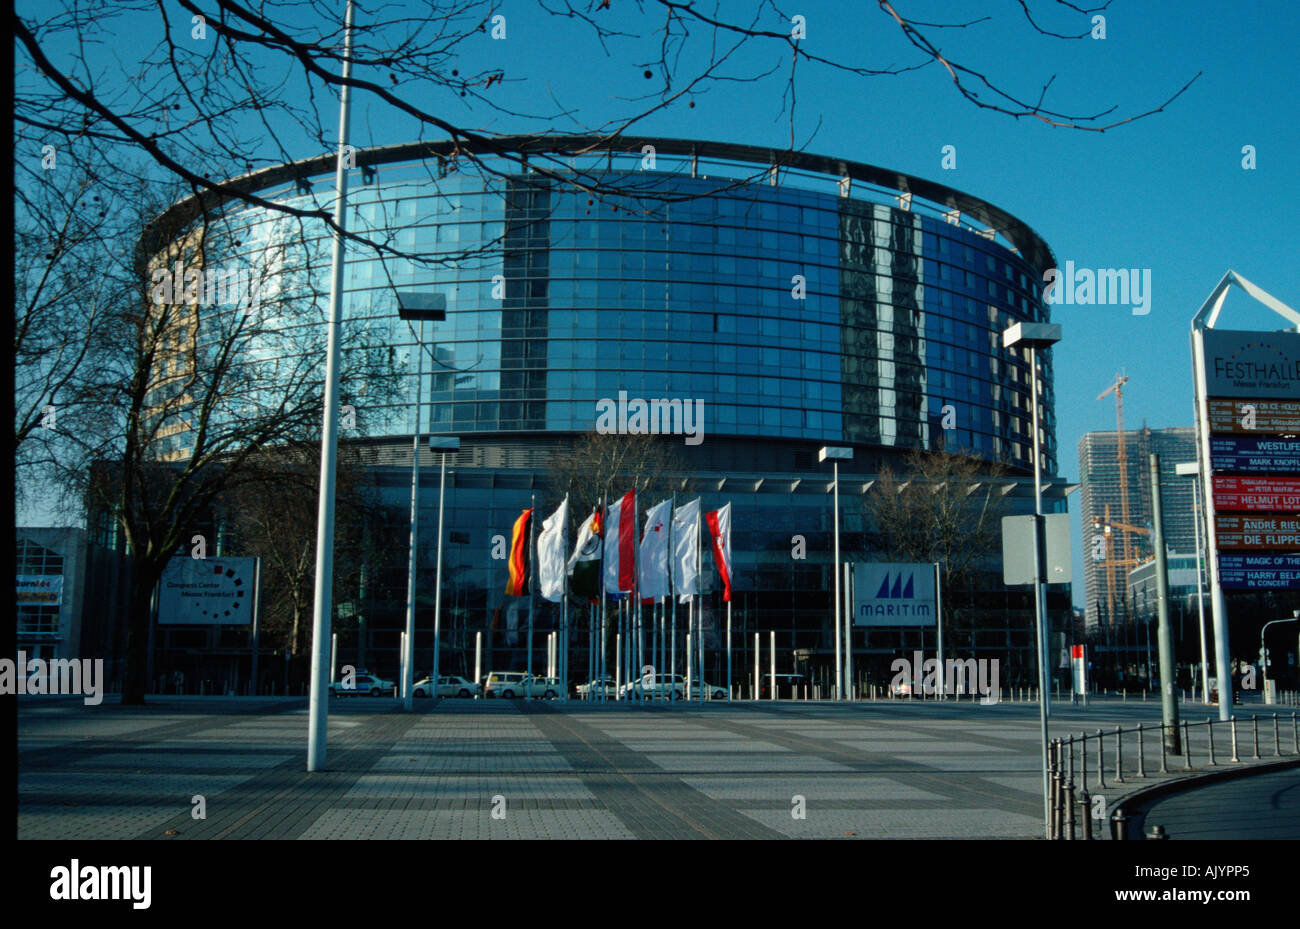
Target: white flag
{"x":653,"y":563}
{"x":550,"y":553}
{"x":686,"y":547}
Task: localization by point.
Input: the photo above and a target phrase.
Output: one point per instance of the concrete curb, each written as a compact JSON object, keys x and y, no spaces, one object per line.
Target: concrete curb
{"x":1130,"y":802}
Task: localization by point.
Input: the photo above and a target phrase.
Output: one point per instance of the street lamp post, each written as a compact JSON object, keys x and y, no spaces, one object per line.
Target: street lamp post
{"x":444,"y":444}
{"x":418,"y":307}
{"x":836,"y":454}
{"x":1035,"y":336}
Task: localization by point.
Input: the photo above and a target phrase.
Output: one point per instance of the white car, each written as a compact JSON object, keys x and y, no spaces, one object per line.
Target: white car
{"x":547,"y":688}
{"x":610,"y":688}
{"x":711,"y":691}
{"x":449,"y":685}
{"x":655,"y":687}
{"x":497,"y":683}
{"x":362,"y":684}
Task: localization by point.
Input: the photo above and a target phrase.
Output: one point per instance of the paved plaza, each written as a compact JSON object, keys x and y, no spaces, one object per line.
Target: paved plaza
{"x":477,"y":769}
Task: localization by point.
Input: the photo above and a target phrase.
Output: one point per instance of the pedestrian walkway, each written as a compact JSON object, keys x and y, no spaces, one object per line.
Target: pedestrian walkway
{"x":510,"y":769}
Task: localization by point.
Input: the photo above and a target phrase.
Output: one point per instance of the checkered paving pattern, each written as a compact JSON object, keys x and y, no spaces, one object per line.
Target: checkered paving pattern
{"x":468,"y":769}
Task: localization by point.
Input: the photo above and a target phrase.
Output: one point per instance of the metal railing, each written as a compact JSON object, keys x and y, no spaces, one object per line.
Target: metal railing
{"x":1077,"y":762}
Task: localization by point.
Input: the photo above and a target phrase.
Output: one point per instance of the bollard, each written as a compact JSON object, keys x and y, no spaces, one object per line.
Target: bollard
{"x":1069,"y":809}
{"x":1083,"y":762}
{"x":1117,"y":823}
{"x":1254,"y":730}
{"x":1157,"y":832}
{"x":1085,"y":810}
{"x":1142,"y":764}
{"x":1053,"y":786}
{"x":1235,"y":759}
{"x":1164,"y":767}
{"x":1295,"y":736}
{"x":1124,"y":698}
{"x":1119,"y":756}
{"x":1209,"y":729}
{"x":1101,"y":761}
{"x":1277,"y":745}
{"x":1187,"y":745}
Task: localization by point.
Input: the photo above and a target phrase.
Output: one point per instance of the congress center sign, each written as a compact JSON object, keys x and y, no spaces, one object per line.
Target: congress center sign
{"x":206,"y":591}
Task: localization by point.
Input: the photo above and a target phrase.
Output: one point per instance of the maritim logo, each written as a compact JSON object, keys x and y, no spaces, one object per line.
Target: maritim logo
{"x":651,"y":417}
{"x":894,"y":587}
{"x":102,"y":882}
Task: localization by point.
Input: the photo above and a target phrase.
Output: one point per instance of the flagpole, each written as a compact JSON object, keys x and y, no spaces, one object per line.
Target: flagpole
{"x":322,"y":610}
{"x":564,"y":604}
{"x":699,"y":620}
{"x":532,"y":585}
{"x":601,"y":663}
{"x":728,"y":651}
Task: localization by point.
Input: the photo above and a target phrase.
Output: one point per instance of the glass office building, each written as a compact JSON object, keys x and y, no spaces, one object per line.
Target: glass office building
{"x":798,"y":301}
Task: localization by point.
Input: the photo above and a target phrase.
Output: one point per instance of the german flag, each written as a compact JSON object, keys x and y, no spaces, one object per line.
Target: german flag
{"x":517,"y":584}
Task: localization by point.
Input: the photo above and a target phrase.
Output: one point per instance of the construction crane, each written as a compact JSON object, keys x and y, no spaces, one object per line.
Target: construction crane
{"x":1121,"y":455}
{"x":1106,"y":527}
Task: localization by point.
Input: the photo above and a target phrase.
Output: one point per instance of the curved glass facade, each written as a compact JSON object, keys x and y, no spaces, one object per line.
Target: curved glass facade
{"x":791,"y":313}
{"x":798,"y":309}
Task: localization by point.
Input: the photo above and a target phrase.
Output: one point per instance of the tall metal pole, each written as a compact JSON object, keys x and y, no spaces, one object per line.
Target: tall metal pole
{"x":322,"y":603}
{"x":1200,"y":590}
{"x":1040,"y":607}
{"x":835,"y":572}
{"x":938,"y":608}
{"x":437,"y":582}
{"x":408,"y":646}
{"x":728,"y":651}
{"x":848,"y":633}
{"x":1218,"y":607}
{"x":257,"y":614}
{"x":532,"y":584}
{"x":1165,"y":634}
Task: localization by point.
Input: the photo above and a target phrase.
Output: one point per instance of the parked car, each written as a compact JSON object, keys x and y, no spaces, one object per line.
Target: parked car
{"x":449,"y":685}
{"x":362,"y":684}
{"x":787,"y":686}
{"x":901,"y":688}
{"x":711,"y":691}
{"x":497,"y":682}
{"x":608,"y":684}
{"x":655,"y":687}
{"x":547,"y":688}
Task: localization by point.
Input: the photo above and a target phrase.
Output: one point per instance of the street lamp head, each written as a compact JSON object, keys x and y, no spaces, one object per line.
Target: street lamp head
{"x":831,"y":451}
{"x":1032,"y":335}
{"x":417,"y":305}
{"x":1187,"y":469}
{"x":444,"y":443}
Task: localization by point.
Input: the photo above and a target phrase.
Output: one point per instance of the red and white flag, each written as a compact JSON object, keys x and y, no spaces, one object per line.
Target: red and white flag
{"x":620,"y":545}
{"x":720,"y":529}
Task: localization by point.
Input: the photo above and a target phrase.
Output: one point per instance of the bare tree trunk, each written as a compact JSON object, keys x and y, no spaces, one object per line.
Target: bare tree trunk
{"x":139,"y":614}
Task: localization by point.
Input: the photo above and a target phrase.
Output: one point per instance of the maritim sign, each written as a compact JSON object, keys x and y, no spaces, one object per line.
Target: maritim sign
{"x":898,"y":594}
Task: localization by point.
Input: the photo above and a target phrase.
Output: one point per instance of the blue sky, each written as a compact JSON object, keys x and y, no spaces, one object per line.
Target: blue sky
{"x":1167,"y":193}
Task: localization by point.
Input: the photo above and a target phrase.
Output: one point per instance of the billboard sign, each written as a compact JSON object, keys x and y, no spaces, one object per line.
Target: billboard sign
{"x":1255,"y":455}
{"x":206,"y":591}
{"x":1260,"y":533}
{"x":898,"y":594}
{"x":1257,"y":494}
{"x":1252,"y":364}
{"x":40,"y":589}
{"x":1259,"y":572}
{"x":1255,"y":416}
